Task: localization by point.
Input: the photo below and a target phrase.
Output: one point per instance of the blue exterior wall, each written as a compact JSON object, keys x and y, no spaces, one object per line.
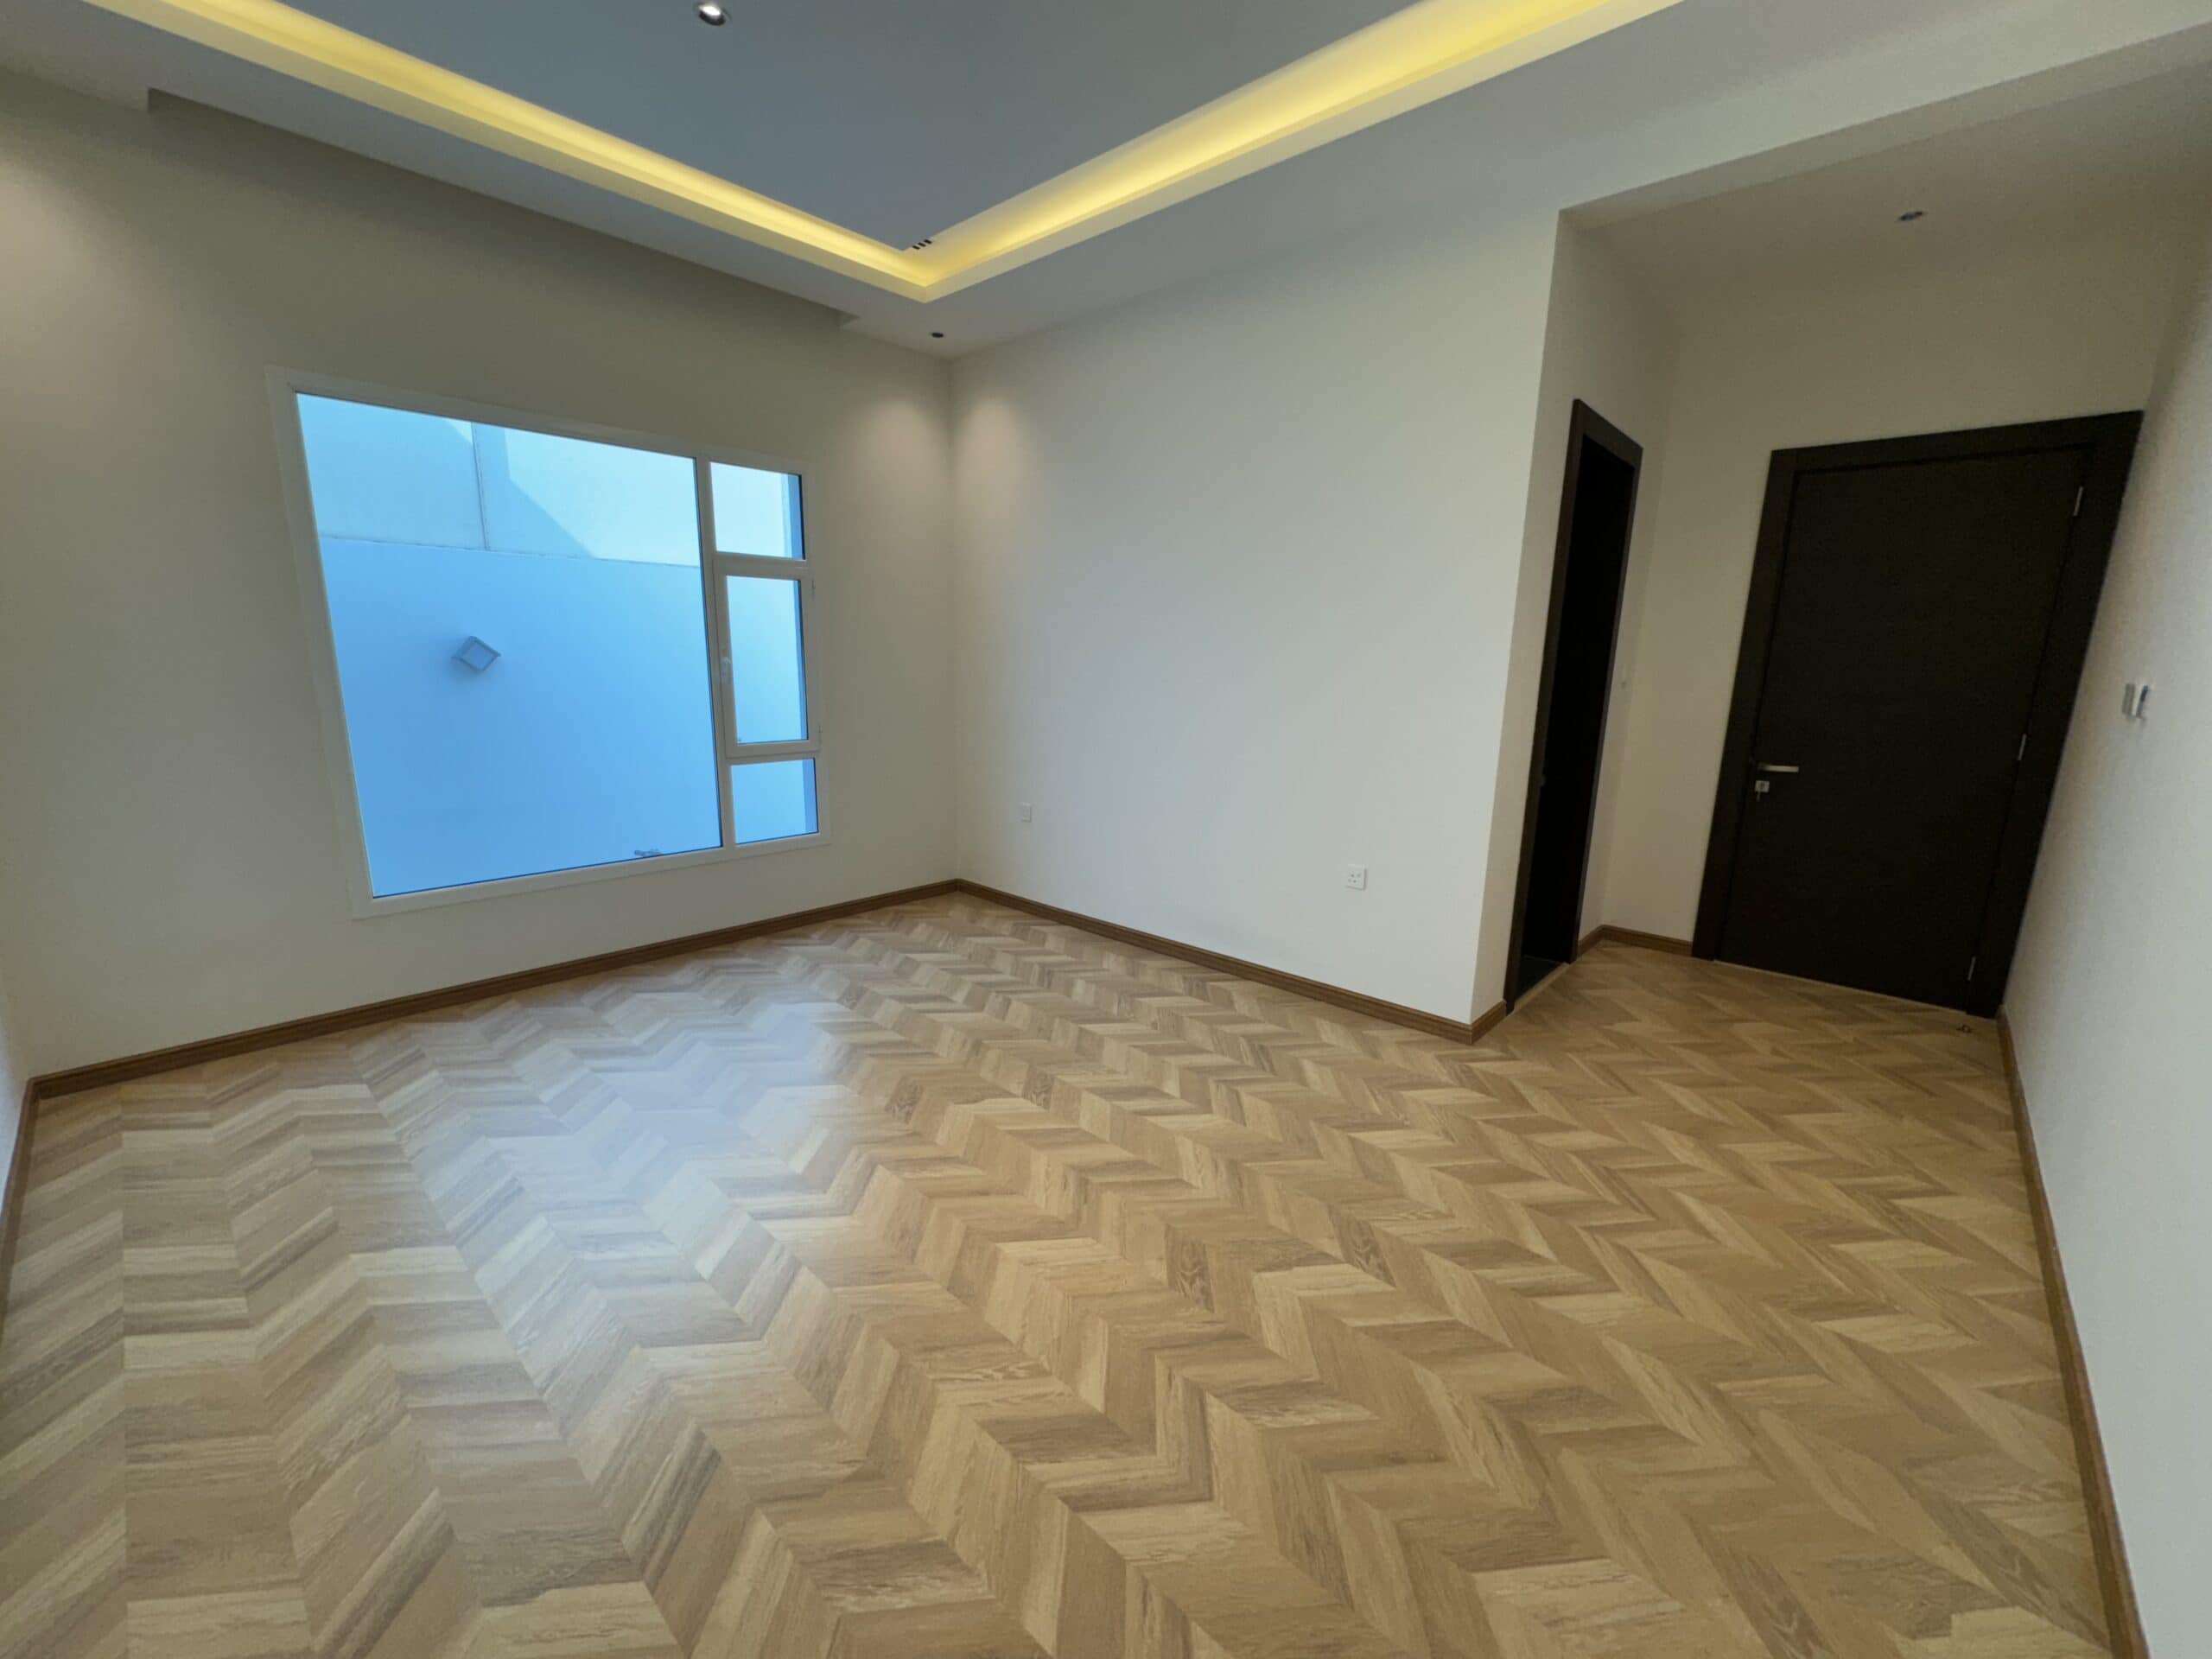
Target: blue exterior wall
{"x":589,"y":740}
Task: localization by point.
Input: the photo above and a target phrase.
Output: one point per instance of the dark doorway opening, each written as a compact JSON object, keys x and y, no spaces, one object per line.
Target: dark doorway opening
{"x":1597,"y":510}
{"x":1919,"y":612}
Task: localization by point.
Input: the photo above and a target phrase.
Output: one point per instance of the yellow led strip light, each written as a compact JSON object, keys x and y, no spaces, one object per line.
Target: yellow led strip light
{"x":1417,"y":55}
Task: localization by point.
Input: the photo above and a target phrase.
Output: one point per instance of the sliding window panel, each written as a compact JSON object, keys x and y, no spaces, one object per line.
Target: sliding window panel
{"x":773,"y":800}
{"x":761,"y":592}
{"x":756,"y":513}
{"x":767,"y":659}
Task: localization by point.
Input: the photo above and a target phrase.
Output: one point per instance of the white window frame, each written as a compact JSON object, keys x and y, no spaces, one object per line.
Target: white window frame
{"x":287,"y":386}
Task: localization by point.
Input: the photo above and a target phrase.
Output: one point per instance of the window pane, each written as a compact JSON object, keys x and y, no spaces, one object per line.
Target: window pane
{"x":383,"y":474}
{"x":574,"y":499}
{"x":756,"y":513}
{"x":529,"y":695}
{"x":766,"y":659}
{"x":773,"y":800}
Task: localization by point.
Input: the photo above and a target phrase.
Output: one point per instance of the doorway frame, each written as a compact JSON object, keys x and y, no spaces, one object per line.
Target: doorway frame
{"x":2110,"y":440}
{"x":1585,"y":424}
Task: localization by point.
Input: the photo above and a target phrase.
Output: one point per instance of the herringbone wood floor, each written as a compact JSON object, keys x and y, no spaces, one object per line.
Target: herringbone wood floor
{"x":943,"y":1281}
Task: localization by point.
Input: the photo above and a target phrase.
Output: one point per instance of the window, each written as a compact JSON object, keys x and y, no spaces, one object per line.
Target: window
{"x":554,"y":654}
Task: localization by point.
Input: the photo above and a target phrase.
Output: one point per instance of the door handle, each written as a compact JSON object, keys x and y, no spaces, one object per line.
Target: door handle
{"x":1767,"y":766}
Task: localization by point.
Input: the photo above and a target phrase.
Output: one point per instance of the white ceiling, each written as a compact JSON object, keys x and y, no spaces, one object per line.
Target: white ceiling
{"x":2100,"y":163}
{"x":896,"y":118}
{"x":1716,"y":91}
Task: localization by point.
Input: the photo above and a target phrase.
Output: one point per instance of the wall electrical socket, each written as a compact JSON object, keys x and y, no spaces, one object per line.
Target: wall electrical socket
{"x":1025,"y":811}
{"x":1356,"y":877}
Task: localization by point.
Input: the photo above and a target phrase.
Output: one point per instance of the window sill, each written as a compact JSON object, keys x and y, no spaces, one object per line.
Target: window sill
{"x":367,"y":907}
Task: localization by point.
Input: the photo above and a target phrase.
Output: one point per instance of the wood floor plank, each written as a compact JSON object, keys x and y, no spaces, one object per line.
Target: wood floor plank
{"x":945,"y":1280}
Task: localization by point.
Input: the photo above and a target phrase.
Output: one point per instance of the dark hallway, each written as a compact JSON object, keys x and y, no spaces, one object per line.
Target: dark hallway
{"x":1596,"y":510}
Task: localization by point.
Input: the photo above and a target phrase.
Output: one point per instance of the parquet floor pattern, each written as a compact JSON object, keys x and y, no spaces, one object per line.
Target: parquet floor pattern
{"x":942,"y":1282}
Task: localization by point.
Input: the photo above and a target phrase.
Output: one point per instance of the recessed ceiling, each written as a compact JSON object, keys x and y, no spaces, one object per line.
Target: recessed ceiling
{"x":1436,"y":114}
{"x":1411,"y":55}
{"x":896,"y":119}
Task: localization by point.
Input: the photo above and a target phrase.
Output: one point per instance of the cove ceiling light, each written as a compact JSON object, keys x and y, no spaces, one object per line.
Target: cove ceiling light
{"x":1423,"y":52}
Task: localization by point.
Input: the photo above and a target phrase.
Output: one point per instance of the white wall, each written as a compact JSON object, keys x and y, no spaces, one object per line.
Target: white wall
{"x":2108,"y":1000}
{"x":1313,"y":475}
{"x":1239,"y":562}
{"x":2035,"y":333}
{"x":1607,"y":344}
{"x":164,"y":795}
{"x":1192,"y":480}
{"x":1237,"y":568}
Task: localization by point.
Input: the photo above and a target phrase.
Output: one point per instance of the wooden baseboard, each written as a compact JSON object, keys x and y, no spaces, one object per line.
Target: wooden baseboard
{"x":1458,"y":1030}
{"x":2123,"y":1619}
{"x":12,"y":1193}
{"x":1610,"y":934}
{"x":106,"y":1073}
{"x":109,"y":1072}
{"x":2122,"y":1616}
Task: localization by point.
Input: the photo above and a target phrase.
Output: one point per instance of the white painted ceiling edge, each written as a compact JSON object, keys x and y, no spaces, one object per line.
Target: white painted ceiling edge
{"x":2114,"y":162}
{"x":1707,"y":96}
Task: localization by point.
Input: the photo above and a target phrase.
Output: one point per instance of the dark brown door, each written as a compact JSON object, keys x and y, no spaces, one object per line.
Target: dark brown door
{"x":1597,"y":510}
{"x":1881,"y":775}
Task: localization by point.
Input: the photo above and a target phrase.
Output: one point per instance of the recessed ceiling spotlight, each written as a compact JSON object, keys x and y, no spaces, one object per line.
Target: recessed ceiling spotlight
{"x":1907,"y":217}
{"x":711,"y":13}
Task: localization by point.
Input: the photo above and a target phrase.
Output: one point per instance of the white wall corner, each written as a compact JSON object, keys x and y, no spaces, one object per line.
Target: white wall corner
{"x":1606,"y":343}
